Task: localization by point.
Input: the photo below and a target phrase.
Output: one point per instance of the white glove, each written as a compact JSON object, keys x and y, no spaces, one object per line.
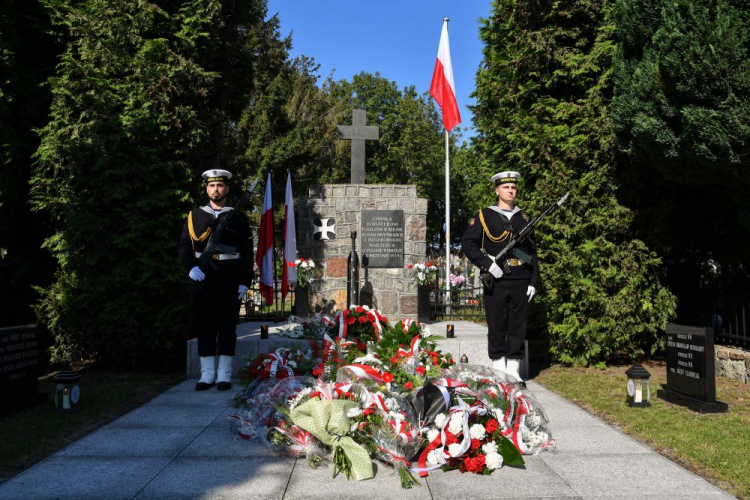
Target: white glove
{"x":496,"y":271}
{"x":242,"y":291}
{"x":530,"y":292}
{"x":196,"y":274}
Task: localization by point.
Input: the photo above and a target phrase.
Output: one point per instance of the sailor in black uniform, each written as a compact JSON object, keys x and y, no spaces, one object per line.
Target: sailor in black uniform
{"x":506,"y":305}
{"x":217,"y":292}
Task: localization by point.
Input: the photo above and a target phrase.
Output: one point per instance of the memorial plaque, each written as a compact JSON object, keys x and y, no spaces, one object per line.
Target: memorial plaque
{"x":382,"y":233}
{"x":19,"y":362}
{"x":691,"y":369}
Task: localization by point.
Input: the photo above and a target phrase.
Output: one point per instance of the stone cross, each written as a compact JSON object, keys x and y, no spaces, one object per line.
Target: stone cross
{"x":358,"y":133}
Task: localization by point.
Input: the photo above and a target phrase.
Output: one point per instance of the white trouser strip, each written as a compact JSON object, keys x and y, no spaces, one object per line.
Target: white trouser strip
{"x":221,"y":256}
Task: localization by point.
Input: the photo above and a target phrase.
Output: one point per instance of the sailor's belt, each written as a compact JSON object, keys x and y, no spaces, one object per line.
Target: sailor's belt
{"x":221,"y":256}
{"x":511,"y":262}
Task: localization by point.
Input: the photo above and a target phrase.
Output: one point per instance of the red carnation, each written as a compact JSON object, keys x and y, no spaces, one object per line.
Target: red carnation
{"x":387,"y":377}
{"x":351,"y":319}
{"x":408,"y":385}
{"x":450,"y":438}
{"x":362,"y":319}
{"x":475,"y":444}
{"x":359,"y":309}
{"x":420,"y":370}
{"x":367,"y":412}
{"x":362,"y":346}
{"x":491,"y":425}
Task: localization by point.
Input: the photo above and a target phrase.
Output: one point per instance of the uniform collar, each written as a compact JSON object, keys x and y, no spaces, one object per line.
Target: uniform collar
{"x":509,"y":215}
{"x":209,"y":210}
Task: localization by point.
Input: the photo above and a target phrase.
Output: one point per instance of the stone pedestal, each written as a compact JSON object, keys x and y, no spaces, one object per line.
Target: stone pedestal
{"x":337,"y":209}
{"x":423,"y":303}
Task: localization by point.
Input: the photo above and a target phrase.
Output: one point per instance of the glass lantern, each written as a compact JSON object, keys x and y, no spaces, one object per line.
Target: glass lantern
{"x":638,"y":386}
{"x":67,"y":392}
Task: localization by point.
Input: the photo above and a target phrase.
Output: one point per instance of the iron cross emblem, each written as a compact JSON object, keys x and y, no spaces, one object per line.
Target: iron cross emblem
{"x":324,"y":230}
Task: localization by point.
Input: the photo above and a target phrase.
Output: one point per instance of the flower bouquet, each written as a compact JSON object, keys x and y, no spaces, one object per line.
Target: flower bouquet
{"x":305,"y":271}
{"x":457,"y":280}
{"x":424,"y":274}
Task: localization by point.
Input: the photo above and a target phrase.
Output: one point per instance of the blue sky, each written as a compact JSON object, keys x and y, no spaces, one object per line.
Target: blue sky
{"x":398,"y":39}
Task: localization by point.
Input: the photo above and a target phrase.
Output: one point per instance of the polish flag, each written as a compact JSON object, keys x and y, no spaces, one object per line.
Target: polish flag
{"x":264,"y":256}
{"x":442,"y":88}
{"x":289,"y":273}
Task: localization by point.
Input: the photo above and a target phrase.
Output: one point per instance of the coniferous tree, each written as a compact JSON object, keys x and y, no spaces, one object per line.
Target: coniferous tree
{"x":143,"y":101}
{"x":543,"y":91}
{"x":682,"y":112}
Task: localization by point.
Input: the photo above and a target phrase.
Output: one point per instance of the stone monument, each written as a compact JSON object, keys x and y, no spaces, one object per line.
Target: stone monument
{"x":391,"y":221}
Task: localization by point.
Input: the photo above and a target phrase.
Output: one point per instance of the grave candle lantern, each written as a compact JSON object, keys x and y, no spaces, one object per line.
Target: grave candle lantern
{"x":67,"y":392}
{"x":638,"y":386}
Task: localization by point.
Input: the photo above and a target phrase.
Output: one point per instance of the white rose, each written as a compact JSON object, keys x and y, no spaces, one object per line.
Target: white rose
{"x":440,"y":420}
{"x":490,"y":447}
{"x":432,"y":435}
{"x":493,"y":461}
{"x":454,"y":449}
{"x":477,"y":431}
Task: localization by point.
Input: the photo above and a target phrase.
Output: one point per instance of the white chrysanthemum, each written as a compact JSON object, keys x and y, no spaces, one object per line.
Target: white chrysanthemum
{"x":456,"y":424}
{"x":369,"y":358}
{"x":392,"y":415}
{"x":477,"y":431}
{"x":440,"y":420}
{"x":354,"y":427}
{"x":432,"y":434}
{"x":490,"y":447}
{"x":454,"y":449}
{"x":354,"y":412}
{"x":493,"y":461}
{"x":426,"y":331}
{"x":292,"y":364}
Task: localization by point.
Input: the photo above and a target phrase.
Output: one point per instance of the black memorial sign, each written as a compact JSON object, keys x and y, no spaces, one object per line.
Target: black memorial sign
{"x":690,"y":368}
{"x":382,"y":238}
{"x":19,"y":362}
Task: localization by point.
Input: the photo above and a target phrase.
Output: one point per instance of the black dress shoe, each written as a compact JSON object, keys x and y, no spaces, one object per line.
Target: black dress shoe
{"x":202,"y":386}
{"x":224,"y":386}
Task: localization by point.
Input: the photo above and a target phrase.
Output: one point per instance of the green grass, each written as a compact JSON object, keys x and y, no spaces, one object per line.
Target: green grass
{"x":714,"y":446}
{"x":31,"y":434}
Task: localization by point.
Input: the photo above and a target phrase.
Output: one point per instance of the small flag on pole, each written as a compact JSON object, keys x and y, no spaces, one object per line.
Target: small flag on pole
{"x":442,"y":88}
{"x":289,"y":273}
{"x":264,"y":257}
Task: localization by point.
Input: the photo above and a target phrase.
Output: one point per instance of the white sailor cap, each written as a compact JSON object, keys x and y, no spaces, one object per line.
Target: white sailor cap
{"x":217,"y":175}
{"x":505,"y":177}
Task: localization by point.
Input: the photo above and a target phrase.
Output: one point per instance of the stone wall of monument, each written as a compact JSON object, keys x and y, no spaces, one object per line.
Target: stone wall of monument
{"x":391,"y":289}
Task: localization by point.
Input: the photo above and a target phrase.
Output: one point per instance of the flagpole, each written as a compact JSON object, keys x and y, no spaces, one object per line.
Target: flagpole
{"x":447,"y":227}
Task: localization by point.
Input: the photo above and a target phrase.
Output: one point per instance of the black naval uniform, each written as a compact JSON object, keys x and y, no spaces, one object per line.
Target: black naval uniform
{"x":506,"y":305}
{"x":215,"y":303}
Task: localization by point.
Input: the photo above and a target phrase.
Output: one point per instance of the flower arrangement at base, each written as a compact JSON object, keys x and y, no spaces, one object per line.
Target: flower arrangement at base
{"x":305,"y":271}
{"x":281,"y":363}
{"x":424,"y":274}
{"x":385,"y":392}
{"x":309,"y":328}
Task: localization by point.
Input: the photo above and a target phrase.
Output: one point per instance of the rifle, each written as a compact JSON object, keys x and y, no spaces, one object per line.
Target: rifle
{"x":213,"y":245}
{"x":501,"y":259}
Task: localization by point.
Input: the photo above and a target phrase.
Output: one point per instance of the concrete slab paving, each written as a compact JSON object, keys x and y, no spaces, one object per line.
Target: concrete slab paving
{"x":231,"y":478}
{"x":179,"y":446}
{"x":84,"y":478}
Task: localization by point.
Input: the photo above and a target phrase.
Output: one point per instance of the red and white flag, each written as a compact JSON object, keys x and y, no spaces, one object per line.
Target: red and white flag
{"x":289,"y":274}
{"x":442,"y":88}
{"x":264,"y":256}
